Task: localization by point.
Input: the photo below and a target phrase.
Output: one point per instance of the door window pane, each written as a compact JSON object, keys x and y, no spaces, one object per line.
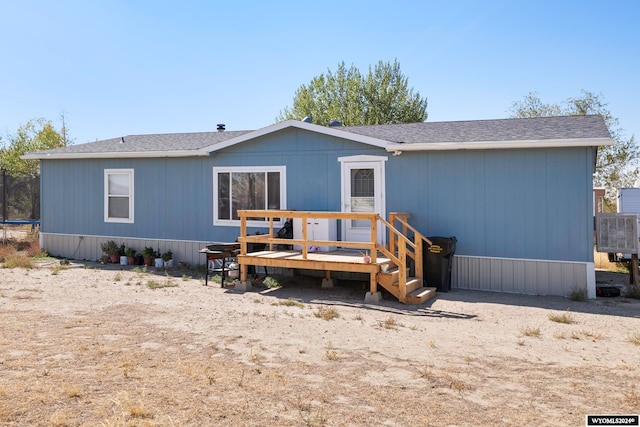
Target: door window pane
{"x":362,"y":194}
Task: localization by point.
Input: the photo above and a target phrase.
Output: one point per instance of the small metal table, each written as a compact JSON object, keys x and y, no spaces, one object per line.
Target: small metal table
{"x":219,"y":250}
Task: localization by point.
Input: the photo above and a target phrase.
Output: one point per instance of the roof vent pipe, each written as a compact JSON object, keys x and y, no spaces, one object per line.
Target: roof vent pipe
{"x":220,"y":127}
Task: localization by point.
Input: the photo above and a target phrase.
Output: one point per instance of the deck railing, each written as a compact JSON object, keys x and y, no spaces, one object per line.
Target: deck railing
{"x":399,"y":248}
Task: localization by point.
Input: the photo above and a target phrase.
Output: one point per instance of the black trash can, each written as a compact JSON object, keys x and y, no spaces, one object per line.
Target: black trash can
{"x":436,"y":262}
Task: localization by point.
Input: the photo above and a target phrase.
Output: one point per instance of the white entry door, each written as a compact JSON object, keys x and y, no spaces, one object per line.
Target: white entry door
{"x":363,"y":190}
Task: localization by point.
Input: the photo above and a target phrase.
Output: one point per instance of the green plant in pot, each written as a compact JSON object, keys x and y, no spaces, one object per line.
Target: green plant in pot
{"x":111,"y":249}
{"x":148,"y":253}
{"x":167,"y":257}
{"x":130,"y":253}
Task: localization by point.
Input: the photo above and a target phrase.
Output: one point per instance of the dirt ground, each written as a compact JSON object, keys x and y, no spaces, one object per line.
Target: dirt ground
{"x":92,"y":345}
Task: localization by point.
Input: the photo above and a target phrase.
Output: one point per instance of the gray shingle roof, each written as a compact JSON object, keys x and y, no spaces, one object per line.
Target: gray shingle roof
{"x":540,"y":128}
{"x":152,"y":142}
{"x":536,"y":129}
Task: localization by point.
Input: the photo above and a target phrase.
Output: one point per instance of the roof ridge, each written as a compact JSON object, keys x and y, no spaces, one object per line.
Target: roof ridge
{"x":474,"y":120}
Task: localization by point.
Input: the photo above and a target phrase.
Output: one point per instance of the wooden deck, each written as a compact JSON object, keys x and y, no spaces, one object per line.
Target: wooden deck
{"x":387,"y":266}
{"x":338,"y":260}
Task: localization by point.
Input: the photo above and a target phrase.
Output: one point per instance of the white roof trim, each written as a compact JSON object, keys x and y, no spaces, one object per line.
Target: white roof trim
{"x":325,"y":130}
{"x":363,"y":158}
{"x":494,"y":145}
{"x":116,"y":155}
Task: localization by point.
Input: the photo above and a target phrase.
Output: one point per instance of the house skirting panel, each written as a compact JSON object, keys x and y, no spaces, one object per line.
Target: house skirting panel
{"x":523,"y":276}
{"x":88,"y":247}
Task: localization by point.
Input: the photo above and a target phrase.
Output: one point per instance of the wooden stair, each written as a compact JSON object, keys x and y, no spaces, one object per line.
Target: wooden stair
{"x":415,"y":292}
{"x":420,"y":295}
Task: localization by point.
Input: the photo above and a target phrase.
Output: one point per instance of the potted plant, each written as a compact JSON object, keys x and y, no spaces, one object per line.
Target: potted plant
{"x":167,"y":257}
{"x":111,"y":249}
{"x":131,"y":256}
{"x":148,"y":254}
{"x":158,"y":262}
{"x":122,"y":255}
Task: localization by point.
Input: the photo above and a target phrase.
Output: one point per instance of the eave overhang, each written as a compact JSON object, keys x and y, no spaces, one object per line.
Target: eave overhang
{"x":496,"y":145}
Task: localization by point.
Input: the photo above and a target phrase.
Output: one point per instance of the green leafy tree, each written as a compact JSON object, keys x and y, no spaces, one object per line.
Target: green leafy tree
{"x":35,"y":135}
{"x":382,"y":96}
{"x":616,"y":166}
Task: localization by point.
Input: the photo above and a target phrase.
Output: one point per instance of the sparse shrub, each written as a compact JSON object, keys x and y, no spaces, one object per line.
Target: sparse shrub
{"x":18,"y":261}
{"x":290,"y":303}
{"x":152,"y":284}
{"x":6,"y":251}
{"x":390,"y":323}
{"x":331,"y":354}
{"x":578,"y":294}
{"x":327,"y":313}
{"x":530,"y":332}
{"x":140,"y":270}
{"x":566,"y":318}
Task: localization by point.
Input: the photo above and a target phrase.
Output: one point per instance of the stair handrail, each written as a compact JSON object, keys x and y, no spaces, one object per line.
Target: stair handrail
{"x":417,"y":245}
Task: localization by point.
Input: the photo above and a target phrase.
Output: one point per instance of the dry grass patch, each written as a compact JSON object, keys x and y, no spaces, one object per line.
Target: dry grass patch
{"x":289,"y":302}
{"x":18,"y":260}
{"x":442,"y":379}
{"x":327,"y":313}
{"x":390,"y":323}
{"x":634,"y":339}
{"x":152,"y":284}
{"x":530,"y":332}
{"x":578,"y":294}
{"x":330,"y":354}
{"x":565,"y":318}
{"x":576,"y":335}
{"x":6,"y":251}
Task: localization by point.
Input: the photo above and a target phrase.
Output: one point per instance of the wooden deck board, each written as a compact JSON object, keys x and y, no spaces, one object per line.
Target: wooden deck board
{"x":340,"y":260}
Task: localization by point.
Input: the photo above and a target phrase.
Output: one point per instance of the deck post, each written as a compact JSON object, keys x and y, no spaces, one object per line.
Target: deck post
{"x":243,"y":247}
{"x":402,"y":273}
{"x":327,"y":282}
{"x":305,"y":248}
{"x":418,"y":261}
{"x":374,"y":238}
{"x":270,"y":232}
{"x":373,"y":295}
{"x":392,"y":235}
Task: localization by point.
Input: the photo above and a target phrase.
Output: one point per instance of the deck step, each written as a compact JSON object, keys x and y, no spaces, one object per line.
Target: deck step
{"x":390,"y":278}
{"x":413,"y":283}
{"x":420,"y":295}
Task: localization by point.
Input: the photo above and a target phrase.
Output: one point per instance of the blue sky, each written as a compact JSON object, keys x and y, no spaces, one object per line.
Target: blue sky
{"x":132,"y":67}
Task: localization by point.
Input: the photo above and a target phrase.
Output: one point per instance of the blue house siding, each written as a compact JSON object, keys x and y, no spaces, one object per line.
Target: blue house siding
{"x":521,"y":203}
{"x":524,"y":203}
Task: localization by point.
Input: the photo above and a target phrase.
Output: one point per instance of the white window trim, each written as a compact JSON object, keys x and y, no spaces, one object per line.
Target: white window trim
{"x":108,"y":172}
{"x":236,"y":169}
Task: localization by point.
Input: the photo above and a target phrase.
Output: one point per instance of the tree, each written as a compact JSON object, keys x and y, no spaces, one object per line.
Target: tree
{"x":35,"y":135}
{"x":616,"y":166}
{"x":382,"y":96}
